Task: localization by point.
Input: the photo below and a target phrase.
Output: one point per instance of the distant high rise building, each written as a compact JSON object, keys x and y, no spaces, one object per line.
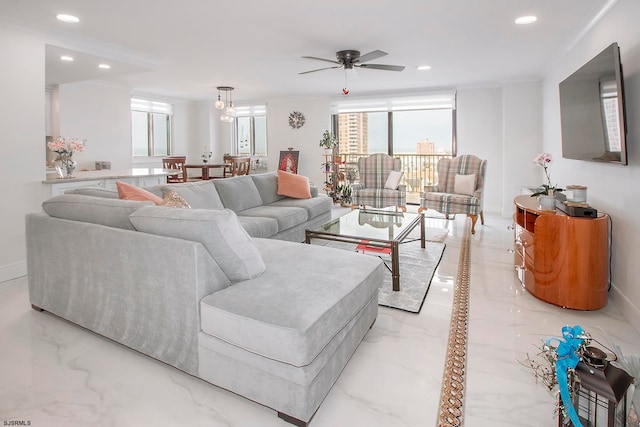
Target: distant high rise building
{"x":425,"y":147}
{"x":353,"y":133}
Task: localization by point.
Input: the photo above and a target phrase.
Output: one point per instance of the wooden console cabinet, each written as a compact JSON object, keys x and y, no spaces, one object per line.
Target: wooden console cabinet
{"x":561,"y":259}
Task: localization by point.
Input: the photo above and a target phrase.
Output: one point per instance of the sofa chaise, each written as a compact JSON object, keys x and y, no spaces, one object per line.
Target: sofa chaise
{"x":264,"y":318}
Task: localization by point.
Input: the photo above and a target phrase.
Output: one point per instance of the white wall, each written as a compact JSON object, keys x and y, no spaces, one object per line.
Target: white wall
{"x":22,"y":120}
{"x":522,"y":136}
{"x":503,"y":125}
{"x":101,"y":114}
{"x":611,"y":188}
{"x":305,"y":139}
{"x":479,"y":113}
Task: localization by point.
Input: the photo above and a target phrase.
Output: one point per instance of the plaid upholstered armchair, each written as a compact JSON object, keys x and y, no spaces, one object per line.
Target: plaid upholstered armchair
{"x":459,"y":188}
{"x":373,"y":189}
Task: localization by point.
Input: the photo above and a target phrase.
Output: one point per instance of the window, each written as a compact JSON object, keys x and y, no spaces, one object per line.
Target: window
{"x":406,"y":125}
{"x":150,"y":128}
{"x":250,"y":134}
{"x":420,"y":130}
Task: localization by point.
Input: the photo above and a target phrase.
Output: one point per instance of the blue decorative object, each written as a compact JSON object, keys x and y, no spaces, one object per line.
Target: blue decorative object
{"x":568,"y":358}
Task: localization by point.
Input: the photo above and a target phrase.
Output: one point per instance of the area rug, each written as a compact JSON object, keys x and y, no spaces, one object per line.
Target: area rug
{"x":417,"y":267}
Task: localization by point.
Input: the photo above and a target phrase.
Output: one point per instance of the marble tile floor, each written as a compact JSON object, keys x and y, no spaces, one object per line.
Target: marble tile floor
{"x":53,"y":373}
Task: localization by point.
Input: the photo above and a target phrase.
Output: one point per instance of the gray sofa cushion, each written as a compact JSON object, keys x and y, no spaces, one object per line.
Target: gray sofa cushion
{"x":96,"y":210}
{"x":288,"y":316}
{"x":95,"y":192}
{"x":199,"y":195}
{"x":259,"y":226}
{"x":285,"y":216}
{"x":314,"y":206}
{"x":238,"y":193}
{"x":267,"y":185}
{"x":218,"y":230}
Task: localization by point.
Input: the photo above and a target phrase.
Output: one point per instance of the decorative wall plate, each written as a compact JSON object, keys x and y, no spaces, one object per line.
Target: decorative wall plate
{"x":296,"y":119}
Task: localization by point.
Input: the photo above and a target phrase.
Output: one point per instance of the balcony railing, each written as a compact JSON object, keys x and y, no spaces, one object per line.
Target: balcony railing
{"x":419,"y":170}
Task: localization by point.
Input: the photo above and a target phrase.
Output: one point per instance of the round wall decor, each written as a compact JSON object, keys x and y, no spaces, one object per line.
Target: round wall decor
{"x":296,"y":120}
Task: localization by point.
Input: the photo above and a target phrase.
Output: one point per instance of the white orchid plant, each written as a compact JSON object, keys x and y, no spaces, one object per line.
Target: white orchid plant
{"x":544,"y":160}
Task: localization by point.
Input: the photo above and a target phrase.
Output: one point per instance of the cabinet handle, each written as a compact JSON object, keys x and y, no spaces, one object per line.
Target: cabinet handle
{"x":510,"y":227}
{"x":511,"y":251}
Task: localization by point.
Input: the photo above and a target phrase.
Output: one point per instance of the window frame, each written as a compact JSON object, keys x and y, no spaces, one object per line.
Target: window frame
{"x":152,"y":108}
{"x":252,"y":112}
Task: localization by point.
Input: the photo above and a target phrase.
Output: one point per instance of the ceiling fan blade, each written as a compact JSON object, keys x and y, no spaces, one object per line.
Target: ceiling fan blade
{"x":319,"y":69}
{"x":382,"y":67}
{"x":374,"y":54}
{"x":322,"y":59}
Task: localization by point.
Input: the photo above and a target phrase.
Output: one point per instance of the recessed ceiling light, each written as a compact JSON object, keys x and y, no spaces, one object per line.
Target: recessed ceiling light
{"x":66,"y":58}
{"x":68,"y":18}
{"x":424,"y":67}
{"x":104,"y":66}
{"x":523,"y":20}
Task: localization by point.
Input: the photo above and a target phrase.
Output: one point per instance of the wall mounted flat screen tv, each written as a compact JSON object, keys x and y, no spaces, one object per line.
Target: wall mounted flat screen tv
{"x":592,"y":110}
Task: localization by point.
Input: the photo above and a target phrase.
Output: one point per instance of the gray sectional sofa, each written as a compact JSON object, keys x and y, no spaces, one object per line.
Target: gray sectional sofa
{"x":202,"y":290}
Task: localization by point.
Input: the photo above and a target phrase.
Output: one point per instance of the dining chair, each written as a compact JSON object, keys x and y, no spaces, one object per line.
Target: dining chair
{"x":237,"y":165}
{"x":175,"y":163}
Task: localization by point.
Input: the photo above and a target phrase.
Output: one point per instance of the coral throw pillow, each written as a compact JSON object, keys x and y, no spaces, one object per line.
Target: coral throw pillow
{"x":131,"y":192}
{"x":294,"y":186}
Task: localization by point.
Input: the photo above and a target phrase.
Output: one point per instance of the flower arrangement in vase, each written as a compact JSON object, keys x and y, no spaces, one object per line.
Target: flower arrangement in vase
{"x":65,"y":148}
{"x":206,"y":156}
{"x":547,"y":194}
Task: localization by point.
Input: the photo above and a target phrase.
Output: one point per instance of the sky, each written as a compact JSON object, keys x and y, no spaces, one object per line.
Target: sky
{"x":410,"y":127}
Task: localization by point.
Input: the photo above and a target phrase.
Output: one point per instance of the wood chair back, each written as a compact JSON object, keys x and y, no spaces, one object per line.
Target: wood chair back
{"x":237,"y":165}
{"x":175,"y":163}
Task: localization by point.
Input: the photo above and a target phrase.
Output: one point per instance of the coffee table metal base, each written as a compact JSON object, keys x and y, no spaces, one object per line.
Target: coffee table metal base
{"x":394,"y":243}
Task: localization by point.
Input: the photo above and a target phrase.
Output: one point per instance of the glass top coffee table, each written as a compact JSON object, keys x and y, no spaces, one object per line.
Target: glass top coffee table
{"x":374,"y":229}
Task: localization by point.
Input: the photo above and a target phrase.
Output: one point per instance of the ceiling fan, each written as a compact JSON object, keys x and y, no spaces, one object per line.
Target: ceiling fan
{"x":348,"y":59}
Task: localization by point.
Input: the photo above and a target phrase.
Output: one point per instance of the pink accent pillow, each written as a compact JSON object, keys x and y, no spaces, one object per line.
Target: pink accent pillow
{"x":294,"y":186}
{"x":131,"y":192}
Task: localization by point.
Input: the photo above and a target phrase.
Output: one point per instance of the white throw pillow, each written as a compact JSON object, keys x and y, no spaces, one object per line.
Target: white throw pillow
{"x":465,"y":184}
{"x":393,"y":180}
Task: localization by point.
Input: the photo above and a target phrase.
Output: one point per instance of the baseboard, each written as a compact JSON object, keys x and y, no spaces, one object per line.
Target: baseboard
{"x":626,"y":307}
{"x":13,"y":271}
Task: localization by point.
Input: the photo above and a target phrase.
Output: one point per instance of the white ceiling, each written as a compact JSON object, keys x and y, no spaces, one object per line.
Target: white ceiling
{"x":185,"y":49}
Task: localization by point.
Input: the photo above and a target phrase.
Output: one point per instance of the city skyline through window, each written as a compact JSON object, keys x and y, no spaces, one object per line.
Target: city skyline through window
{"x":367,"y":132}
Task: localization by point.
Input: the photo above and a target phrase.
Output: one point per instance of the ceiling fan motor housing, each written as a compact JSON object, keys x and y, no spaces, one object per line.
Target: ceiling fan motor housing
{"x":348,"y":57}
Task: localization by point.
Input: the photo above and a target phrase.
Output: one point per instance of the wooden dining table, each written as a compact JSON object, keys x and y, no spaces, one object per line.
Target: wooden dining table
{"x":205,"y":167}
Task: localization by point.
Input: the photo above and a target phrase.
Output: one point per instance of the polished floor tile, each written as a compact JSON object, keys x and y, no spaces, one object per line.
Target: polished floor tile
{"x":53,"y":373}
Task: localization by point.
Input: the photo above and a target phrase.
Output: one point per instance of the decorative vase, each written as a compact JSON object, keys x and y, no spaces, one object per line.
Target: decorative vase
{"x":71,"y":168}
{"x":547,"y":203}
{"x":328,"y":151}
